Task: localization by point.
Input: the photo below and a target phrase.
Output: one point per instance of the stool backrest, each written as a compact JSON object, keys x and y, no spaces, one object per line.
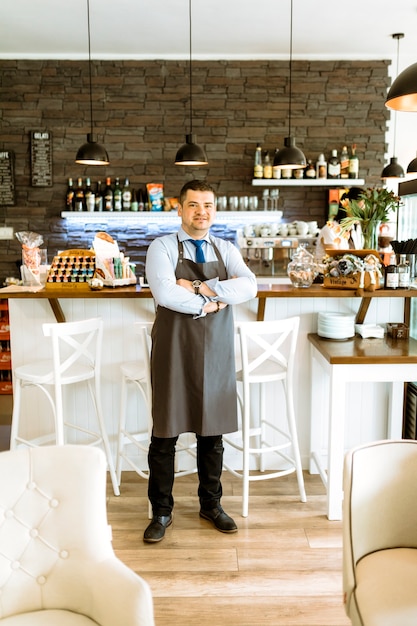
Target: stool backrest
{"x":267,"y":349}
{"x":75,"y":345}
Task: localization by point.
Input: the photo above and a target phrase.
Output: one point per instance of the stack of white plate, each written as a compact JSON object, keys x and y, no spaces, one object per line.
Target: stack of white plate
{"x":336,"y":325}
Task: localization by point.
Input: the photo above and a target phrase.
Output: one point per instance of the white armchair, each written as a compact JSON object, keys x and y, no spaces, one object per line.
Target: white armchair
{"x":380,"y":534}
{"x":57,"y":565}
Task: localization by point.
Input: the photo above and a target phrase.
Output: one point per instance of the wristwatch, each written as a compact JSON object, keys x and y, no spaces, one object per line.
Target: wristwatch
{"x":196,"y":284}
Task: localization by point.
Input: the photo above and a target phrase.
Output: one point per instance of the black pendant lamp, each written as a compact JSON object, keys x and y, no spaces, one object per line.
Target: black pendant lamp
{"x":412,"y":169}
{"x":290,"y":157}
{"x":91,"y":152}
{"x":394,"y":169}
{"x":191,"y":153}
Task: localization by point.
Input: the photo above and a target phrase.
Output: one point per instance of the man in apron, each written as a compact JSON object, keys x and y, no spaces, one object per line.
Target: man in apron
{"x":194,"y":278}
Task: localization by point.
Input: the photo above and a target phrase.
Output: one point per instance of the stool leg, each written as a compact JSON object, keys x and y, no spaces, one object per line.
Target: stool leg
{"x":14,"y":431}
{"x":246,"y":441}
{"x":294,"y":438}
{"x":97,"y":404}
{"x":121,"y":431}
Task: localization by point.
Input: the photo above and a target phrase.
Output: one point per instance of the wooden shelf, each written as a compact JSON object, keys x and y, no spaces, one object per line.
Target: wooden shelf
{"x":305,"y":182}
{"x":160,"y":216}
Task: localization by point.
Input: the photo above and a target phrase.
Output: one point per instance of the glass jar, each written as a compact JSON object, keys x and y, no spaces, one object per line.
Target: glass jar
{"x":302,"y":269}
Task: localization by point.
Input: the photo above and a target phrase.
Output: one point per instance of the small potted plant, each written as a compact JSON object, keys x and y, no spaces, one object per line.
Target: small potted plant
{"x":372,"y":208}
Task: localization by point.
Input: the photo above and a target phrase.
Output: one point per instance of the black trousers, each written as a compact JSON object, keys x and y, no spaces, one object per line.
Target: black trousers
{"x":161,"y":457}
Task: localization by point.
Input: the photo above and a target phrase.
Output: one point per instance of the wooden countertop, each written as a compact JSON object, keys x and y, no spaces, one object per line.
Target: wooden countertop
{"x":366,"y":351}
{"x":265,"y":290}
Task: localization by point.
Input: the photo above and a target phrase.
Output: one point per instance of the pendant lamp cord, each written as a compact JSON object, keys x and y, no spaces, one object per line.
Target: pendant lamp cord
{"x":190,"y":70}
{"x":89,"y":66}
{"x":397,"y":37}
{"x":290,"y":81}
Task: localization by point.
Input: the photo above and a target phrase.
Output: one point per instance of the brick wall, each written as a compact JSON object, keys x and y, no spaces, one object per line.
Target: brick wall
{"x":141,"y":112}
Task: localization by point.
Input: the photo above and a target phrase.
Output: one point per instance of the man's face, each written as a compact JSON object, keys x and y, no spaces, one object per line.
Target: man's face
{"x":197,"y":212}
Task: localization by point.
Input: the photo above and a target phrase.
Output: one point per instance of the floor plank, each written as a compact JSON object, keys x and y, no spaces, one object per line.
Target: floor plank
{"x":282,"y":568}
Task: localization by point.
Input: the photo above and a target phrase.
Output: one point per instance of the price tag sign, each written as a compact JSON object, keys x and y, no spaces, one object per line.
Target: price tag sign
{"x":7,"y":184}
{"x":41,"y":158}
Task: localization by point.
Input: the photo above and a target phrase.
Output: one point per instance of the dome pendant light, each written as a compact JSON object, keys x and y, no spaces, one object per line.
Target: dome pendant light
{"x":91,"y":152}
{"x":191,"y":153}
{"x":290,"y":157}
{"x":394,"y":169}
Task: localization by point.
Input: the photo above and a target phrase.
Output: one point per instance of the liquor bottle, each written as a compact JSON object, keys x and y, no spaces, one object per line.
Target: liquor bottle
{"x":99,"y":197}
{"x":70,"y":196}
{"x":126,"y":196}
{"x":344,"y":163}
{"x":276,"y":171}
{"x":140,"y":199}
{"x":267,"y":166}
{"x":258,"y":170}
{"x":333,"y":168}
{"x":117,"y":196}
{"x":89,"y":196}
{"x":403,"y":273}
{"x":310,"y":171}
{"x":391,"y":273}
{"x":353,"y":164}
{"x":134,"y":203}
{"x":79,"y":196}
{"x":108,"y":196}
{"x":321,"y":167}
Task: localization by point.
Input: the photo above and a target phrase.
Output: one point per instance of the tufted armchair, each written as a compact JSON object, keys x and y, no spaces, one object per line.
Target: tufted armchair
{"x":57,"y":565}
{"x":380,"y":534}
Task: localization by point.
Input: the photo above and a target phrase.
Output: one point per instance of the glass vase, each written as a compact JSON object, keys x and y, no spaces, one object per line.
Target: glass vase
{"x":370,"y":234}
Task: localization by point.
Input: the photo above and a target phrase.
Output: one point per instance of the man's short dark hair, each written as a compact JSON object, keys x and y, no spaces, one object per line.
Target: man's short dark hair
{"x":196,"y":185}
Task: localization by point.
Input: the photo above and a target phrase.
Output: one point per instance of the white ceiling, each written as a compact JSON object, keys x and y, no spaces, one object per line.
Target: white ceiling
{"x":222,"y":29}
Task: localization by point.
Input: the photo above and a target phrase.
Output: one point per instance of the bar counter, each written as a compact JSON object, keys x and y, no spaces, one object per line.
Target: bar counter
{"x":121,"y":307}
{"x":265,"y":291}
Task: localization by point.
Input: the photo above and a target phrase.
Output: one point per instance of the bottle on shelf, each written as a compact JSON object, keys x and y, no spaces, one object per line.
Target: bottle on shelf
{"x":258,"y":170}
{"x":310,"y":170}
{"x":70,"y":196}
{"x":276,"y":171}
{"x":134,"y":203}
{"x":321,"y":167}
{"x":79,"y":204}
{"x":333,"y":167}
{"x":98,"y":197}
{"x":344,"y":163}
{"x":403,"y":273}
{"x":353,"y":163}
{"x":286,"y":173}
{"x":391,"y":274}
{"x":299,"y":173}
{"x":126,"y":196}
{"x":108,"y":196}
{"x":140,"y":199}
{"x":117,"y":196}
{"x":267,"y":165}
{"x":89,"y":196}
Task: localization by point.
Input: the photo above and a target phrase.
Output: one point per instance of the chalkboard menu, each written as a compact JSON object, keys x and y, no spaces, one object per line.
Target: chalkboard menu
{"x":6,"y":178}
{"x":41,"y":158}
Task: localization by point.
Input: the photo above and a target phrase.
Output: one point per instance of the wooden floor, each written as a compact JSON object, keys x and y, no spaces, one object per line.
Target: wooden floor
{"x":282,"y":568}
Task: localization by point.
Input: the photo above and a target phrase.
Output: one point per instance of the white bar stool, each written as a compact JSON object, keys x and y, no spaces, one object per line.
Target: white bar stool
{"x":267,"y":354}
{"x":76,"y":358}
{"x":138,"y":374}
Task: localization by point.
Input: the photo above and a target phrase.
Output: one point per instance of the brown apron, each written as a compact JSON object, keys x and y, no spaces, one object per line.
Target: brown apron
{"x":193,"y":364}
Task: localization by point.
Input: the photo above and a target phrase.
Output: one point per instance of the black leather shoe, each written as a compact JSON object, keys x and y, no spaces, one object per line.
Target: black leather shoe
{"x":220,"y":519}
{"x":156,"y":529}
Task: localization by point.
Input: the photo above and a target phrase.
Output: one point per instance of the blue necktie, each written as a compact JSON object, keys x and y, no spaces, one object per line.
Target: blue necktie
{"x":200,"y":253}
